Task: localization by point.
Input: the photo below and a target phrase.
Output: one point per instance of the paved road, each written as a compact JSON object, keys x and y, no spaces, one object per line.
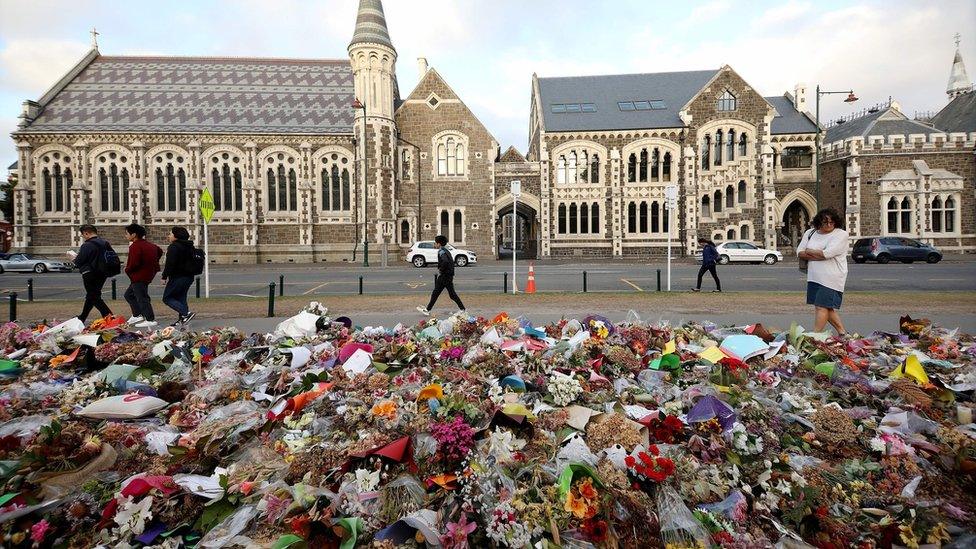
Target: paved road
{"x":331,"y":279}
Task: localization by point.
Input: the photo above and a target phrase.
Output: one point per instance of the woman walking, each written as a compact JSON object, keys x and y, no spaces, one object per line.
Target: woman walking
{"x":178,"y":273}
{"x":824,"y":248}
{"x":709,"y":260}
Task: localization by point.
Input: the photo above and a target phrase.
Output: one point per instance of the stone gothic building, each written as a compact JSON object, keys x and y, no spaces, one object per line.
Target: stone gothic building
{"x":311,"y":159}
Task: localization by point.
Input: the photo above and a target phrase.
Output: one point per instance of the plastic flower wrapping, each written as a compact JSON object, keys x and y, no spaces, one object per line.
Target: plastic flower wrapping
{"x":486,"y":432}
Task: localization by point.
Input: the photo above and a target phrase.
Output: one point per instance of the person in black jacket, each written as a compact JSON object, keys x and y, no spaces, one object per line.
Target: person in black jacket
{"x":87,"y":262}
{"x":445,"y":276}
{"x":178,"y":273}
{"x":709,"y":260}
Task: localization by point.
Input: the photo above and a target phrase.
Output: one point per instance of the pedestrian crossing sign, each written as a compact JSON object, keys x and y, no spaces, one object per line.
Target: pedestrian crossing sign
{"x":206,"y":206}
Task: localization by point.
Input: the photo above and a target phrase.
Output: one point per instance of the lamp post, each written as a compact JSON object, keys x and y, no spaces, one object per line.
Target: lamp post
{"x":850,"y":99}
{"x":357,"y":104}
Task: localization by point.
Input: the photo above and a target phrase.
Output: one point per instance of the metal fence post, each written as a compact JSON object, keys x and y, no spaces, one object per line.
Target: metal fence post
{"x":13,"y":306}
{"x":30,"y":289}
{"x":360,"y":285}
{"x":114,"y":294}
{"x":505,"y":282}
{"x":281,"y":285}
{"x":271,"y":297}
{"x":198,"y":287}
{"x":584,"y":282}
{"x":659,"y":280}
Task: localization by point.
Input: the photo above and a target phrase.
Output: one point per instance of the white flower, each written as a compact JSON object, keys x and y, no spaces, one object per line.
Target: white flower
{"x":132,"y":517}
{"x":564,"y":389}
{"x":878,"y":445}
{"x":367,"y":480}
{"x":502,"y":443}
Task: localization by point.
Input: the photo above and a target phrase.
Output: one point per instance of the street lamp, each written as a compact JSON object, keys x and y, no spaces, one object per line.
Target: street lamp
{"x":357,"y":104}
{"x":850,"y":99}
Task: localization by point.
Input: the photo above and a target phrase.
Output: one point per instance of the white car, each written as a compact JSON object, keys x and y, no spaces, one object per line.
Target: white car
{"x":744,"y":252}
{"x":423,"y":253}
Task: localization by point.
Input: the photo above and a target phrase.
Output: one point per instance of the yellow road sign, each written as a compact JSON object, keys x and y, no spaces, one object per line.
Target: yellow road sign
{"x":206,"y":206}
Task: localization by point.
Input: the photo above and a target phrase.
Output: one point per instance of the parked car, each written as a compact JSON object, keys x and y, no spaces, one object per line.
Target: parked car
{"x":30,"y":262}
{"x":423,"y":253}
{"x":885,"y":248}
{"x":744,"y":252}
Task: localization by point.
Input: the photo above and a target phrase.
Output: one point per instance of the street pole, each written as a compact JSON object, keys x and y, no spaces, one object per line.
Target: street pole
{"x":206,"y":261}
{"x":670,"y":201}
{"x":365,"y":197}
{"x":817,"y":149}
{"x":516,"y":190}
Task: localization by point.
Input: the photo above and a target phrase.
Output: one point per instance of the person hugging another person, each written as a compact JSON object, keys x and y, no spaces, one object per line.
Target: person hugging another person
{"x":824,"y":247}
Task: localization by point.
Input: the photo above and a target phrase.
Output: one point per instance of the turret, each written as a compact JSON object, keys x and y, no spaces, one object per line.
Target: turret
{"x":959,"y":82}
{"x":373,"y":61}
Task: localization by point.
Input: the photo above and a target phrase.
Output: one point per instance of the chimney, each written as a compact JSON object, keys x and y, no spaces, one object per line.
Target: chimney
{"x":800,"y":97}
{"x":421,"y":66}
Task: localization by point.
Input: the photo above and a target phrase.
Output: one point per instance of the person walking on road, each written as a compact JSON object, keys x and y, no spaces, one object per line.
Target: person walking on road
{"x":95,"y":262}
{"x":824,"y":248}
{"x":709,"y":261}
{"x":178,"y":273}
{"x":445,"y":277}
{"x":141,"y":267}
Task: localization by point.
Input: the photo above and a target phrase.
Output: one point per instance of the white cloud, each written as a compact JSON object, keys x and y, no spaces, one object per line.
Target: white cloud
{"x":707,"y":12}
{"x":31,"y":66}
{"x":781,"y":15}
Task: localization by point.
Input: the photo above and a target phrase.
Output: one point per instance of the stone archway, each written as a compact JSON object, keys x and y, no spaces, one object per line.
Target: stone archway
{"x":796,"y":219}
{"x":527,"y":243}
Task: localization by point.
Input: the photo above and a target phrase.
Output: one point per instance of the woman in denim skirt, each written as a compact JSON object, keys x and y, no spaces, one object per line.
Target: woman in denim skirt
{"x":825,"y":248}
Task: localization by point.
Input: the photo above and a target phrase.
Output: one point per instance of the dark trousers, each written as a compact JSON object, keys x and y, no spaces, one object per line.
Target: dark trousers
{"x":710,"y":269}
{"x":138,"y":297}
{"x":174,"y":295}
{"x":93,"y":295}
{"x":442,"y":283}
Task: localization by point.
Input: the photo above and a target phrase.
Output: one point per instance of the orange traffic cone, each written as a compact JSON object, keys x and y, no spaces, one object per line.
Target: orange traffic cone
{"x":530,"y":286}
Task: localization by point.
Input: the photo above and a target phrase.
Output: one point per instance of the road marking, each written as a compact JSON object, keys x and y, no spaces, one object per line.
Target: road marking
{"x":757,"y":278}
{"x":635,"y":286}
{"x":315,"y":288}
{"x":948,"y":279}
{"x":880,"y":279}
{"x":414,"y":285}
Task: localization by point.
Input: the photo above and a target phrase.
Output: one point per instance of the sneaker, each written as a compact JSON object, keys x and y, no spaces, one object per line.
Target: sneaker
{"x":716,"y":291}
{"x":189,"y":316}
{"x":423,"y":310}
{"x":147,"y":324}
{"x":696,"y":289}
{"x":135,"y":320}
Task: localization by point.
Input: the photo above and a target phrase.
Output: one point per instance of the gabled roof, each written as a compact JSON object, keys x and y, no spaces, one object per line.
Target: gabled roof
{"x":959,"y":115}
{"x":371,"y":24}
{"x":12,"y":166}
{"x":203,"y":94}
{"x":788,"y":119}
{"x":512,"y":155}
{"x":889,"y":121}
{"x":675,"y":89}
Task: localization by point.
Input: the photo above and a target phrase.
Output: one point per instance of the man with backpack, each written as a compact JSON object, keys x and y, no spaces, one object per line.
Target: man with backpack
{"x":183,"y":262}
{"x":97,"y":262}
{"x":445,"y":277}
{"x":141,"y":267}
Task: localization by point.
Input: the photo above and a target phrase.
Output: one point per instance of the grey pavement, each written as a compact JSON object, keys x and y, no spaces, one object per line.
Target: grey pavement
{"x":488,"y":277}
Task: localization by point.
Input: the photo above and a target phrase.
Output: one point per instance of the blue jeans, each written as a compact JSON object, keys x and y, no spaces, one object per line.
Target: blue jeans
{"x":174,"y":295}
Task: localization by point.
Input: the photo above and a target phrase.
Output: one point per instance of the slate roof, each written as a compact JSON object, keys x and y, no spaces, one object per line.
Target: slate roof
{"x":371,"y":24}
{"x":12,"y":166}
{"x":604,"y":92}
{"x":958,"y":116}
{"x":884,"y":122}
{"x":203,"y":95}
{"x":789,"y":120}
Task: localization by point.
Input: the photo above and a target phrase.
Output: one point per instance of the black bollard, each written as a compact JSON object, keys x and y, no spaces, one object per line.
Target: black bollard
{"x":13,"y":306}
{"x":114,"y":294}
{"x":659,"y":280}
{"x":271,"y":296}
{"x":360,"y":285}
{"x":505,"y":283}
{"x":281,"y":285}
{"x":584,"y":282}
{"x":198,"y":287}
{"x":30,"y":289}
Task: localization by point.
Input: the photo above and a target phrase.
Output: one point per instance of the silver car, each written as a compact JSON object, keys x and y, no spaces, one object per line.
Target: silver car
{"x":32,"y":263}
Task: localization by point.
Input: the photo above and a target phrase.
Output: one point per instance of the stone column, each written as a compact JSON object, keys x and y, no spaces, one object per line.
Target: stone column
{"x":853,"y":195}
{"x":923,"y":184}
{"x":22,"y":196}
{"x":195,"y":184}
{"x":81,"y":189}
{"x":250,"y":194}
{"x":690,"y":191}
{"x":545,"y":200}
{"x":137,"y":187}
{"x":768,"y":185}
{"x":616,"y":199}
{"x":306,"y":196}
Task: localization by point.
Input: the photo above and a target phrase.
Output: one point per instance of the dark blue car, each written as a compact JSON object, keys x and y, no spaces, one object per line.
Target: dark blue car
{"x":885,"y":248}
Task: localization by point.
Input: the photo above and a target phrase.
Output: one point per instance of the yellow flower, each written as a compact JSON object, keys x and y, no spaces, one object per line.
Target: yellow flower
{"x":938,"y":534}
{"x":386,"y":409}
{"x":907,"y":535}
{"x":433,"y":390}
{"x":575,"y":505}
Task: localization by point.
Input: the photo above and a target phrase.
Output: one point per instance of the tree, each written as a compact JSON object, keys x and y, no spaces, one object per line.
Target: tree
{"x":7,"y":200}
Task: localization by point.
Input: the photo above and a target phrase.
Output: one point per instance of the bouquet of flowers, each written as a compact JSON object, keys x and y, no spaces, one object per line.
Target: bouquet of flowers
{"x":648,"y":469}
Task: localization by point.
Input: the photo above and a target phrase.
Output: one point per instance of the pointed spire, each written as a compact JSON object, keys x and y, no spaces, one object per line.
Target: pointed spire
{"x":371,"y":24}
{"x":959,"y":82}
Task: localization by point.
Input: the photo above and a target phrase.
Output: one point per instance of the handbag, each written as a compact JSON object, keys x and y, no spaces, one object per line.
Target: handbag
{"x":803,"y":263}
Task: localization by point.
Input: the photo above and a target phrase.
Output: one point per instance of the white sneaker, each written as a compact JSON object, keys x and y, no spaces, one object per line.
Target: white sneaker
{"x":135,"y":320}
{"x":147,"y":324}
{"x":423,"y":311}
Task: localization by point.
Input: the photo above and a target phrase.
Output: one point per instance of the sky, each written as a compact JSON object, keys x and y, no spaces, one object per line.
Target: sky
{"x":487,"y":50}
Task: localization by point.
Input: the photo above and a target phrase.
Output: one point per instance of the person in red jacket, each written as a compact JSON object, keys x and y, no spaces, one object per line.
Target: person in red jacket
{"x":141,"y":268}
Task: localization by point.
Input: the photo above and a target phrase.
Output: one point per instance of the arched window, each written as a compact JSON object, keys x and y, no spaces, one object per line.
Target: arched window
{"x":718,"y":148}
{"x":227,"y":184}
{"x":632,"y":168}
{"x":742,"y":144}
{"x":584,"y":168}
{"x":742,"y":192}
{"x":573,"y":219}
{"x":458,"y":235}
{"x":281,"y":183}
{"x":643,"y":165}
{"x":571,"y":168}
{"x":655,"y":217}
{"x":643,"y":217}
{"x":730,"y":234}
{"x":334,"y":187}
{"x":706,"y":208}
{"x":562,"y":219}
{"x":730,"y":146}
{"x":404,"y":232}
{"x":729,"y":197}
{"x":442,"y":159}
{"x":55,"y":175}
{"x":892,"y":215}
{"x":906,"y":215}
{"x":459,"y":158}
{"x":656,"y":165}
{"x":595,"y":169}
{"x":744,"y":232}
{"x":632,"y":217}
{"x":899,"y":215}
{"x":113,"y":185}
{"x":937,"y":214}
{"x":445,"y":223}
{"x":561,"y":170}
{"x":950,"y":215}
{"x":170,"y":182}
{"x":718,"y":201}
{"x":404,"y":165}
{"x":705,"y":151}
{"x":666,"y":167}
{"x":451,"y":155}
{"x":584,"y":218}
{"x":667,"y":220}
{"x":595,"y":218}
{"x":726,"y":102}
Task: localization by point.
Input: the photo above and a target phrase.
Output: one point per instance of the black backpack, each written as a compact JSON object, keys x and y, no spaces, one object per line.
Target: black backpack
{"x":107,"y":262}
{"x":199,"y":260}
